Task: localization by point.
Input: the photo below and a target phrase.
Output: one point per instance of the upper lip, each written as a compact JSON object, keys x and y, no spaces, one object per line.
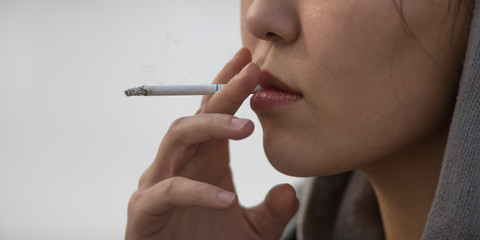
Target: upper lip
{"x":269,"y":81}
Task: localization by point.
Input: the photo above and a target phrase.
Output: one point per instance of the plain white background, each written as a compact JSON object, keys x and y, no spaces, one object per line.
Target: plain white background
{"x":72,"y":146}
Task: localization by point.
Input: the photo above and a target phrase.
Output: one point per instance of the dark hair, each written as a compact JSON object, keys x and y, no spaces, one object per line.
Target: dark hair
{"x":462,"y":5}
{"x":454,"y":7}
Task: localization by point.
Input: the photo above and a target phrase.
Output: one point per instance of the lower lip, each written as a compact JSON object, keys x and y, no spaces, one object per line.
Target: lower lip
{"x":267,"y":99}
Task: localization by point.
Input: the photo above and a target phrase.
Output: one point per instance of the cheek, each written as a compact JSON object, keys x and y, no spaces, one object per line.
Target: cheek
{"x":367,"y":73}
{"x":308,"y":141}
{"x":370,"y":92}
{"x":351,"y":59}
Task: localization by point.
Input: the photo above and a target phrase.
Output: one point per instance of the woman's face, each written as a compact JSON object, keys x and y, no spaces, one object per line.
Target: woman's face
{"x":370,"y":85}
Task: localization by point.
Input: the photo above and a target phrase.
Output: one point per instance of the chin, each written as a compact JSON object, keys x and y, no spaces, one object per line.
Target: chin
{"x":301,"y":158}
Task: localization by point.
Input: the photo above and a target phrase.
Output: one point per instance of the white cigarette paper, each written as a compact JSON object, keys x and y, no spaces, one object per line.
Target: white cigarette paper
{"x":176,"y":90}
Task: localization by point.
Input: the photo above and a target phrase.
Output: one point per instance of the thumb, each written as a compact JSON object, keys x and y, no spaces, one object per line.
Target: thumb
{"x":270,"y":217}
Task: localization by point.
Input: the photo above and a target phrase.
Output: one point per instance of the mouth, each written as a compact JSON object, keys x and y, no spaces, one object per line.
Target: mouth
{"x":274,"y":93}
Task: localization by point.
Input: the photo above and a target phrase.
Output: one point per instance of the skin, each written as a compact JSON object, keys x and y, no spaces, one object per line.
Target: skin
{"x":376,"y":98}
{"x":359,"y":74}
{"x":180,"y":194}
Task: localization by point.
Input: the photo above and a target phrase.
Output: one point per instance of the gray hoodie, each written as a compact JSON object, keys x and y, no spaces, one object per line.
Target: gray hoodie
{"x":344,"y":206}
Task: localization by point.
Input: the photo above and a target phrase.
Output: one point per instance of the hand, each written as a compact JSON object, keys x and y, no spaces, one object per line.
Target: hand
{"x":188,"y":192}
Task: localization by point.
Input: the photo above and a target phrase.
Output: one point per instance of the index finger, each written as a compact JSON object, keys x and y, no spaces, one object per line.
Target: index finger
{"x":234,"y":66}
{"x":230,"y":97}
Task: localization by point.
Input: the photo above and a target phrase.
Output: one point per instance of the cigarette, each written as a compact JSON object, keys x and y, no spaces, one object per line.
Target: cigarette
{"x":176,"y":90}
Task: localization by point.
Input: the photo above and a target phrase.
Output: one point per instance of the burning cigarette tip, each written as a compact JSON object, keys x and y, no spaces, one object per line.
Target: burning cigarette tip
{"x":138,"y":91}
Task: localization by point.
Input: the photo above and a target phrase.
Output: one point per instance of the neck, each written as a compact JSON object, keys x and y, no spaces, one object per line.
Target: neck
{"x":405,"y":187}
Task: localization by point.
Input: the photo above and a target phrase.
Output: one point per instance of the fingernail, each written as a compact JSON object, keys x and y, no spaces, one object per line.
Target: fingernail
{"x":238,"y":122}
{"x":225,"y":197}
{"x":243,"y":71}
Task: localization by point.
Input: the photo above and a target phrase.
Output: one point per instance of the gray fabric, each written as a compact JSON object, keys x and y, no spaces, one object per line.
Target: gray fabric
{"x":339,"y":207}
{"x":318,"y":213}
{"x":358,"y":216}
{"x":344,"y":207}
{"x":455,"y":212}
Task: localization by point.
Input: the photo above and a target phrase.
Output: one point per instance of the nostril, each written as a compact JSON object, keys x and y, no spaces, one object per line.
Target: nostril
{"x":270,"y":35}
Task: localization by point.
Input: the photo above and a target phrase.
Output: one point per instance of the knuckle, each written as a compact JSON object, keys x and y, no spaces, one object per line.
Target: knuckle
{"x":170,"y":185}
{"x":197,"y":192}
{"x":177,"y":122}
{"x":134,"y":201}
{"x":135,"y":197}
{"x":211,"y":122}
{"x":174,"y":128}
{"x":208,"y":119}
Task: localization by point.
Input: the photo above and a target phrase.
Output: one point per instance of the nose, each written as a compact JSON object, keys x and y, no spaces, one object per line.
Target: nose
{"x":273,"y":20}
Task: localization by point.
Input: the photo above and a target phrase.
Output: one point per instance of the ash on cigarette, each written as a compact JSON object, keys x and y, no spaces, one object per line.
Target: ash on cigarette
{"x":138,"y":91}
